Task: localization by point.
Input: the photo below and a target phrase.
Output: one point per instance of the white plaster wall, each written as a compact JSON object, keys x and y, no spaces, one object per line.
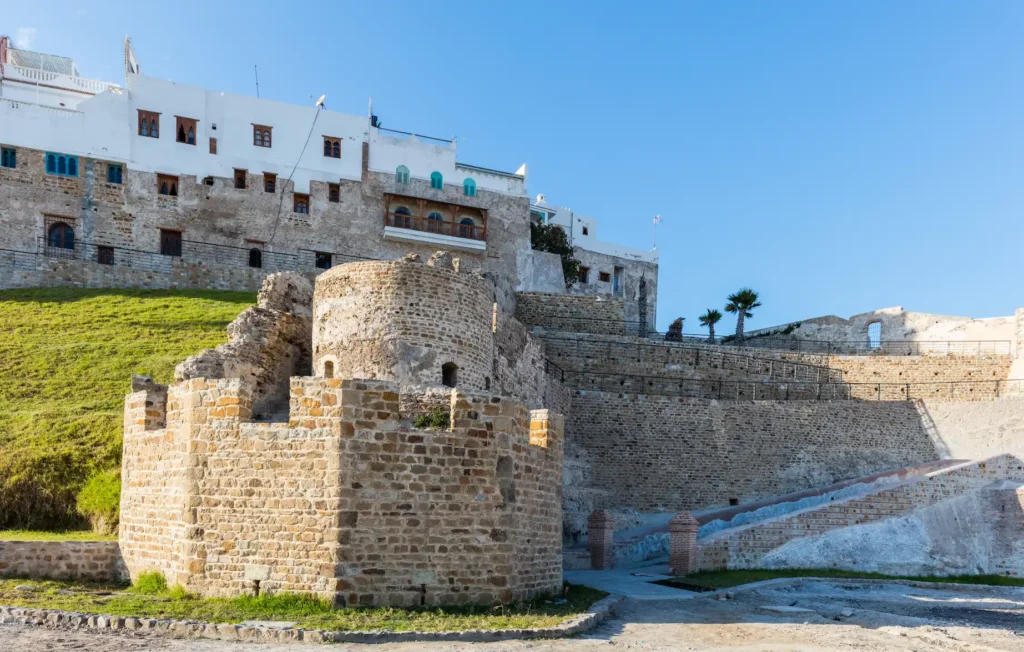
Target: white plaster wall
{"x":540,"y":271}
{"x":975,"y":429}
{"x":573,"y":224}
{"x":97,"y":130}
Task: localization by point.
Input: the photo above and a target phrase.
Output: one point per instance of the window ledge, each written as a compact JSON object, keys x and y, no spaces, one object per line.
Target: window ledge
{"x":447,"y":241}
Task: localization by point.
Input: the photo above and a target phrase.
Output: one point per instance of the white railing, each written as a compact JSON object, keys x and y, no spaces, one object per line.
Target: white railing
{"x":19,"y":105}
{"x":37,"y":76}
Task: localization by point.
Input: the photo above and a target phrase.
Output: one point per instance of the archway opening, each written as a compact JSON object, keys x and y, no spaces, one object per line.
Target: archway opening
{"x":875,"y":335}
{"x":449,"y":374}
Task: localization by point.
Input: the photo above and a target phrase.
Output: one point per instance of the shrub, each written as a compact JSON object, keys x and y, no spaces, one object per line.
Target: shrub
{"x":150,"y":583}
{"x":100,"y":500}
{"x":437,"y":419}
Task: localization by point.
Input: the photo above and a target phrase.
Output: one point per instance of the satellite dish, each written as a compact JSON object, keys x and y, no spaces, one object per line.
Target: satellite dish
{"x":320,"y":102}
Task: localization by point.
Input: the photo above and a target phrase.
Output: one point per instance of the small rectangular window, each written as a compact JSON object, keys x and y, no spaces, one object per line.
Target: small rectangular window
{"x":213,"y":145}
{"x":604,"y":277}
{"x":208,"y":181}
{"x":323,"y":260}
{"x":185,"y":130}
{"x":8,"y":158}
{"x":586,"y":231}
{"x":261,"y":135}
{"x":269,"y":182}
{"x":170,"y":243}
{"x":333,"y":192}
{"x":105,"y":255}
{"x":584,"y":275}
{"x":332,"y":147}
{"x":149,"y":124}
{"x":240,"y":179}
{"x":114,"y":173}
{"x":167,"y":185}
{"x":301,"y":204}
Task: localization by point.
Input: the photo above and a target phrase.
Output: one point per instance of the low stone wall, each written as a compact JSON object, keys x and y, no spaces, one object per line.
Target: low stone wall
{"x":62,"y":560}
{"x":576,"y":313}
{"x":920,"y":369}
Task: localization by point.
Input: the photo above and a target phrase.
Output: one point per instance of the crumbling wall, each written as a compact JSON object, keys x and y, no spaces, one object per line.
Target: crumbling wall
{"x":267,"y":344}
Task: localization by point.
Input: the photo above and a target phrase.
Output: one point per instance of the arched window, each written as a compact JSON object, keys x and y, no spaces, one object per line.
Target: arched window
{"x":435,"y":222}
{"x":174,"y":189}
{"x":328,"y":369}
{"x":875,"y":335}
{"x":301,"y":206}
{"x":163,"y":188}
{"x":181,"y":134}
{"x":436,"y":180}
{"x":51,"y":164}
{"x":154,"y":129}
{"x":144,"y":128}
{"x":336,"y":149}
{"x":402,"y":174}
{"x":61,"y":236}
{"x":466,"y":229}
{"x":255,"y":257}
{"x":191,"y":136}
{"x":327,"y":147}
{"x":402,"y":220}
{"x":449,"y":374}
{"x":62,"y":165}
{"x":72,"y":167}
{"x":469,"y":187}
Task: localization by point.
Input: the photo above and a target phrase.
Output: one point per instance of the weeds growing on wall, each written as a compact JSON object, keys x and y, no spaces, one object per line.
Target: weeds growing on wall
{"x":437,"y":419}
{"x":66,"y":360}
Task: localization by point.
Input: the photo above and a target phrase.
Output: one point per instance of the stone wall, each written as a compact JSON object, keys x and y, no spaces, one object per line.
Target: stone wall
{"x":656,"y":453}
{"x":62,"y":560}
{"x":574,"y":313}
{"x":632,"y":271}
{"x":975,"y":430}
{"x":920,"y":369}
{"x":346,"y":500}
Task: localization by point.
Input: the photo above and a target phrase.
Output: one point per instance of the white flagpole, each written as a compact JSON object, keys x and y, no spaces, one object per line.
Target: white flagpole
{"x":657,"y":220}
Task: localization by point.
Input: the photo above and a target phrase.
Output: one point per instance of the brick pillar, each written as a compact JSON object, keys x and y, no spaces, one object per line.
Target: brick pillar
{"x":683,"y":553}
{"x":601,"y":528}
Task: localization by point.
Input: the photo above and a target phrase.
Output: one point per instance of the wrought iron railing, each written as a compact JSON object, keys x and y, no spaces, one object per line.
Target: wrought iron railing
{"x":440,"y":227}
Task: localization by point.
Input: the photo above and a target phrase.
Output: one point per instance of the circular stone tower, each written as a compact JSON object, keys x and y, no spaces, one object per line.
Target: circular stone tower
{"x":402,"y":320}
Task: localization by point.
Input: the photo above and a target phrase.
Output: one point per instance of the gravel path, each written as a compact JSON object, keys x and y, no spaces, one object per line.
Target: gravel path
{"x":842,"y":616}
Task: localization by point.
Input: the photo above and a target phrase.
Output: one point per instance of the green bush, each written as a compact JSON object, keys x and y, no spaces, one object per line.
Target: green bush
{"x":150,"y":583}
{"x":437,"y":419}
{"x":100,"y":501}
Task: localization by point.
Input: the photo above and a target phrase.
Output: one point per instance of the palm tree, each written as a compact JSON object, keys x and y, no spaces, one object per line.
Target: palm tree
{"x":741,"y":303}
{"x":709,"y":319}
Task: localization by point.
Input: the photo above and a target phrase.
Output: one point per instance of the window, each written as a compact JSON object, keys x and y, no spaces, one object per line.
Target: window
{"x":584,"y":275}
{"x":617,"y":285}
{"x":149,"y":124}
{"x":114,"y":173}
{"x":434,"y":222}
{"x":538,"y":216}
{"x":167,"y":185}
{"x":213,"y":145}
{"x":261,"y":136}
{"x":449,"y":374}
{"x":301,"y":203}
{"x":170,"y":243}
{"x":105,"y":255}
{"x":402,"y":174}
{"x":328,"y":369}
{"x":586,"y":231}
{"x":269,"y":182}
{"x":185,"y":130}
{"x":466,"y":229}
{"x":333,"y":192}
{"x":255,"y":257}
{"x":875,"y":335}
{"x":332,"y":147}
{"x":403,"y":218}
{"x":8,"y":158}
{"x":60,"y":236}
{"x":604,"y":277}
{"x":322,"y":260}
{"x":62,"y":165}
{"x":436,"y":180}
{"x":469,"y":187}
{"x":208,"y":181}
{"x":240,"y":179}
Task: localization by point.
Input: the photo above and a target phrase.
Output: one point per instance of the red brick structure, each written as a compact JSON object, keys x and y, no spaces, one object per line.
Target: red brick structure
{"x":601,"y":526}
{"x":683,"y":541}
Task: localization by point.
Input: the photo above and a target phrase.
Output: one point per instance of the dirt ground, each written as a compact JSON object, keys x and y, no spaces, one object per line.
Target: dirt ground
{"x":841,"y":616}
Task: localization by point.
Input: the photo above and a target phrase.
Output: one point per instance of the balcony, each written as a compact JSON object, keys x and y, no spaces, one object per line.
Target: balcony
{"x":447,"y":226}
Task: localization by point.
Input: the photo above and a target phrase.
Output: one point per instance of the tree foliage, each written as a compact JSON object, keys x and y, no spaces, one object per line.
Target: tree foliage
{"x":552,"y":239}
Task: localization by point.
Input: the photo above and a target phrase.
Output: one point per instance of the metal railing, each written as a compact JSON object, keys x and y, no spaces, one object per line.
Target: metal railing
{"x":789,"y":391}
{"x":553,"y":370}
{"x":885,"y":347}
{"x":440,"y":227}
{"x":613,"y":351}
{"x":107,"y":255}
{"x":217,"y":254}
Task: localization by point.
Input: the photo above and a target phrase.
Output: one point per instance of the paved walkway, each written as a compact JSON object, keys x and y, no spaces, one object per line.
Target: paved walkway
{"x":633,"y":583}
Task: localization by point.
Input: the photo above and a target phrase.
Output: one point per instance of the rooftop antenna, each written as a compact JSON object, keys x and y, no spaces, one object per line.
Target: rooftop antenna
{"x":257,"y":72}
{"x":320,"y":102}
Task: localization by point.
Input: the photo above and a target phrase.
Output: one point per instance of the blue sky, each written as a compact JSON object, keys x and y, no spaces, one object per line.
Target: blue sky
{"x":836,"y":156}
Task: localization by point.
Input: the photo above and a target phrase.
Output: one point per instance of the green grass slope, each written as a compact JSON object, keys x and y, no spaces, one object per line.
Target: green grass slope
{"x":66,"y":360}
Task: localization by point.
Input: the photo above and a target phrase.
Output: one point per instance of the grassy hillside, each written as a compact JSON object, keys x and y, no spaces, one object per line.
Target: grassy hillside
{"x":66,"y":360}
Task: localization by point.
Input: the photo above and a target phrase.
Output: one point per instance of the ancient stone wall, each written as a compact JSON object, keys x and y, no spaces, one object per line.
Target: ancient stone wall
{"x":657,"y":453}
{"x":62,"y":560}
{"x":629,"y":291}
{"x":920,"y":369}
{"x":346,"y":500}
{"x":573,"y":313}
{"x":975,"y":430}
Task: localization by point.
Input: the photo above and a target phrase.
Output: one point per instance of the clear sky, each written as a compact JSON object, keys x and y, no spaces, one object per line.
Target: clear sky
{"x":836,"y":156}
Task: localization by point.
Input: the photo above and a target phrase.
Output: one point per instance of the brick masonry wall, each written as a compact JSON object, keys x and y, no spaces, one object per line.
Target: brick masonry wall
{"x":656,"y":453}
{"x":62,"y":560}
{"x":743,"y":547}
{"x":345,"y":500}
{"x":920,"y":369}
{"x":575,"y":313}
{"x":630,"y":293}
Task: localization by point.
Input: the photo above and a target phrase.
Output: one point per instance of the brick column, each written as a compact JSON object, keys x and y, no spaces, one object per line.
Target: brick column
{"x":683,"y":553}
{"x":601,"y":528}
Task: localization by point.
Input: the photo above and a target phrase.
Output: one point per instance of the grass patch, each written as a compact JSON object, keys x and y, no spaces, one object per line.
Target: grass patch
{"x":306,"y":611}
{"x":66,"y":359}
{"x":712,"y":580}
{"x":43,"y":535}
